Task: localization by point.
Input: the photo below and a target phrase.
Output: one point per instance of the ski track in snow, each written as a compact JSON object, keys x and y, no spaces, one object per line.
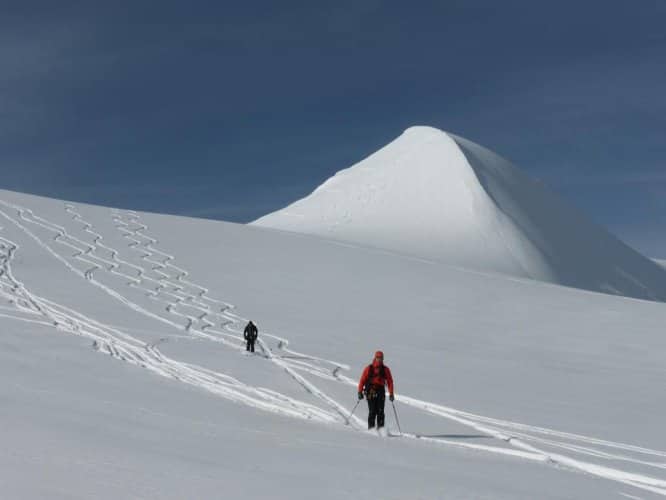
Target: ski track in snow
{"x":115,"y":340}
{"x":188,"y":307}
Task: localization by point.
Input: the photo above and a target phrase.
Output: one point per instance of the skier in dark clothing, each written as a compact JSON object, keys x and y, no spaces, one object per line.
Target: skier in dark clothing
{"x":250,"y":334}
{"x":375,"y":376}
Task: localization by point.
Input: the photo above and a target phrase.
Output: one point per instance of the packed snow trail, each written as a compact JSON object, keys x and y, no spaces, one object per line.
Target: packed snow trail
{"x":175,"y":291}
{"x":126,"y":348}
{"x":83,"y":254}
{"x":144,"y":244}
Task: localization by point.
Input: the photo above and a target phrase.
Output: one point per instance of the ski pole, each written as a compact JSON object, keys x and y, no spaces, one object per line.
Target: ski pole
{"x":396,"y":417}
{"x":352,"y":412}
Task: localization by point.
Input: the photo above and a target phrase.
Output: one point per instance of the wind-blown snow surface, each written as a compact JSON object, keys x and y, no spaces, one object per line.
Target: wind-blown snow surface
{"x":440,"y":197}
{"x":124,"y":374}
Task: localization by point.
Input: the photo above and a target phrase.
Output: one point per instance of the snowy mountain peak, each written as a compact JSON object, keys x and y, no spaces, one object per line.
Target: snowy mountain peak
{"x":438,"y":196}
{"x":422,"y":131}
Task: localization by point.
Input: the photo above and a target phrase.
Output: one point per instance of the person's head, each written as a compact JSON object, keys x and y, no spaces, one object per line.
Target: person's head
{"x":379,"y":357}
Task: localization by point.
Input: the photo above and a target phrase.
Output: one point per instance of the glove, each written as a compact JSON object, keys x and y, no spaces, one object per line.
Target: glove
{"x":391,"y":397}
{"x":360,"y":396}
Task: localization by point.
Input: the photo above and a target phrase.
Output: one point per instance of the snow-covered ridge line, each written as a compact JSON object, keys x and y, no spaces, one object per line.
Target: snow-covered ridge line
{"x":440,"y":197}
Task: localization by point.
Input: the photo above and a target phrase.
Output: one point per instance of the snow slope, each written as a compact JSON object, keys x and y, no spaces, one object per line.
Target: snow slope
{"x":440,"y":197}
{"x":124,"y":373}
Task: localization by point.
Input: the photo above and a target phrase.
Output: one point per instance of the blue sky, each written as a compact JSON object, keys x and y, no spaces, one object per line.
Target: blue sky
{"x":231,"y":110}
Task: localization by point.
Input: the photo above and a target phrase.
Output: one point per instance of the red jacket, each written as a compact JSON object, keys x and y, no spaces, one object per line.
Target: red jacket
{"x":376,"y":379}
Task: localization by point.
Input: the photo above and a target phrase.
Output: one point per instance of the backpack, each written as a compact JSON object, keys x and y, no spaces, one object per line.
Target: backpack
{"x":371,"y":375}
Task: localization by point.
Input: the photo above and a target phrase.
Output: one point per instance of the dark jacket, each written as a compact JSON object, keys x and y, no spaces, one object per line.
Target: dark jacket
{"x":250,"y":332}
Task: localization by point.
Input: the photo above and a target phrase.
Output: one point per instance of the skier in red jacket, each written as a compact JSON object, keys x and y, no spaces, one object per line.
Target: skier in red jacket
{"x":375,"y":376}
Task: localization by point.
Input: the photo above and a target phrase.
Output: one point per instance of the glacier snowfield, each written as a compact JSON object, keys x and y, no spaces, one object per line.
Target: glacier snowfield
{"x":125,"y":375}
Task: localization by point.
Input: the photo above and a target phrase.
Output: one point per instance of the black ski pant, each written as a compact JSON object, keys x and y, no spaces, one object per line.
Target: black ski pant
{"x":250,"y":345}
{"x":376,"y":399}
